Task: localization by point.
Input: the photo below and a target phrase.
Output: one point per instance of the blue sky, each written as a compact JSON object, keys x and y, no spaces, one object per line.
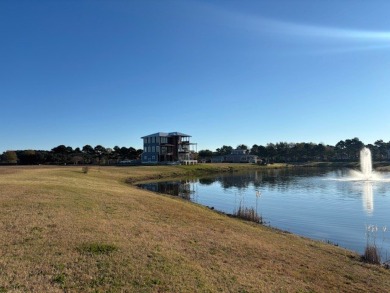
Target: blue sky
{"x":225,"y":72}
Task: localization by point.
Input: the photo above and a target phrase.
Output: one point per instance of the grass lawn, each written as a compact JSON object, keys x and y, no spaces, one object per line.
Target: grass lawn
{"x":63,"y":230}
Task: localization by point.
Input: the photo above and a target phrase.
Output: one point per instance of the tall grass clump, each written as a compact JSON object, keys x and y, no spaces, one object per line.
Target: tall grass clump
{"x":248,"y":214}
{"x":372,"y":254}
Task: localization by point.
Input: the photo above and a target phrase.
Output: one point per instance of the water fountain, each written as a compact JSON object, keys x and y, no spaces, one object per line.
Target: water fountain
{"x":368,"y":177}
{"x":366,"y":173}
{"x":366,"y":163}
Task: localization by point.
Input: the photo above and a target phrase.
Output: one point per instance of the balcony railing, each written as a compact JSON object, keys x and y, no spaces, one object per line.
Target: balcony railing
{"x":183,"y":150}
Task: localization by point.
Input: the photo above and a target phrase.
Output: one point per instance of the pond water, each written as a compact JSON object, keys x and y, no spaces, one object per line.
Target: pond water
{"x":318,"y":203}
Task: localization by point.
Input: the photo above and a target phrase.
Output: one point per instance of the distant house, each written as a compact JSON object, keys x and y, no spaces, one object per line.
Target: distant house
{"x":236,"y":156}
{"x":168,"y":148}
{"x":217,"y":159}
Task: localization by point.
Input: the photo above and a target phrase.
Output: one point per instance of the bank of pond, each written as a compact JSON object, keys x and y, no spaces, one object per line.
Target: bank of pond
{"x":325,"y":204}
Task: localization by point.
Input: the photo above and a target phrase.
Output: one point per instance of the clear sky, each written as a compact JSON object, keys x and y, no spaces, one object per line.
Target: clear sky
{"x":225,"y":72}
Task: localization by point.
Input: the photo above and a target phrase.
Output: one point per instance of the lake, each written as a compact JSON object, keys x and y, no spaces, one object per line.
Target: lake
{"x":318,"y":203}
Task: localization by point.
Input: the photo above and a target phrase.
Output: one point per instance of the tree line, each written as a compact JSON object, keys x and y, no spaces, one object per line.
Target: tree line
{"x":281,"y":152}
{"x":284,"y":152}
{"x":67,"y":155}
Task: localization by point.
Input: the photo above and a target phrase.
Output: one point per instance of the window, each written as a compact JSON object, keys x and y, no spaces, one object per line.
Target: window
{"x":153,"y":157}
{"x":148,"y":149}
{"x":153,"y":149}
{"x":157,"y":149}
{"x":145,"y":149}
{"x":145,"y":158}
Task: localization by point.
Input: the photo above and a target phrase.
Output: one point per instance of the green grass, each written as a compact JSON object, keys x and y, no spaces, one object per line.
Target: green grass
{"x":59,"y":279}
{"x":97,"y":248}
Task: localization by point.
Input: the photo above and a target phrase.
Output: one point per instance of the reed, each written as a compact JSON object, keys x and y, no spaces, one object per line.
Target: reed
{"x":372,"y":255}
{"x":248,"y":214}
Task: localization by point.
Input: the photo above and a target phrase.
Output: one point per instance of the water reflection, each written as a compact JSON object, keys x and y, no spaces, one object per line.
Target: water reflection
{"x":280,"y":180}
{"x":181,"y":188}
{"x":368,"y":197}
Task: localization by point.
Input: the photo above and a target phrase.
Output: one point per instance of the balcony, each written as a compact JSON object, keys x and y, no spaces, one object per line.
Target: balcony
{"x":183,"y":150}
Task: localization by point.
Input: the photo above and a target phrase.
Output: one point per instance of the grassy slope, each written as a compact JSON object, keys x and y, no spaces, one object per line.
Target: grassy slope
{"x":56,"y":222}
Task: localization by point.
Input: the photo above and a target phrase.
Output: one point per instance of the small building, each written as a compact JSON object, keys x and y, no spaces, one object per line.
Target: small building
{"x":168,"y":148}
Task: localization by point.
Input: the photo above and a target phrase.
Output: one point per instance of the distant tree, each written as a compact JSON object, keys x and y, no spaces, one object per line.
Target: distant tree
{"x":87,"y":149}
{"x":374,"y":151}
{"x":116,"y":149}
{"x":262,"y":151}
{"x":353,"y":147}
{"x":99,"y":150}
{"x":88,"y":153}
{"x":100,"y":153}
{"x":282,"y":151}
{"x":271,"y":152}
{"x":205,"y":153}
{"x":330,"y":152}
{"x":224,"y":150}
{"x":139,"y":153}
{"x":123,"y":151}
{"x":242,"y":147}
{"x":298,"y":152}
{"x":340,"y":150}
{"x":28,"y":157}
{"x":382,"y":148}
{"x":69,"y":150}
{"x":10,"y":157}
{"x":61,"y":149}
{"x":132,"y":153}
{"x":60,"y":154}
{"x":319,"y":151}
{"x":254,"y":149}
{"x":77,"y":159}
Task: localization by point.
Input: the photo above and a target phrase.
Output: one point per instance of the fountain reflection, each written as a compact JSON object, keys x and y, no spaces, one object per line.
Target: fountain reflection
{"x":368,"y":197}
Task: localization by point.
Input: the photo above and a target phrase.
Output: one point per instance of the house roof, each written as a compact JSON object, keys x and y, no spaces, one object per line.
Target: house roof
{"x":167,"y":134}
{"x":178,"y":134}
